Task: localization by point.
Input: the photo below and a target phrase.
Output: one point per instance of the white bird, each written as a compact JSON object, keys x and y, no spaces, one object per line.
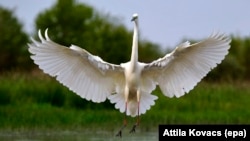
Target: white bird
{"x":129,"y":85}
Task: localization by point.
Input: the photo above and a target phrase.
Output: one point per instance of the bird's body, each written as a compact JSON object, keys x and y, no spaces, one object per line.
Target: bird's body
{"x":129,"y":85}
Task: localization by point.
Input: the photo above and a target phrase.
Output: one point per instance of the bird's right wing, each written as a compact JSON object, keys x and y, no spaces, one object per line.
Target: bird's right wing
{"x":85,"y":74}
{"x":178,"y":72}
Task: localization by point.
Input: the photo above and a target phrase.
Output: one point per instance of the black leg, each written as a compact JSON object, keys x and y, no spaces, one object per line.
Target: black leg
{"x":119,"y":134}
{"x":133,"y":129}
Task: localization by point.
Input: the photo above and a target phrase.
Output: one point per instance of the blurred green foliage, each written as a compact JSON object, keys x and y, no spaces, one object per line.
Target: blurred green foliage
{"x":39,"y":101}
{"x":21,"y":88}
{"x":13,"y":50}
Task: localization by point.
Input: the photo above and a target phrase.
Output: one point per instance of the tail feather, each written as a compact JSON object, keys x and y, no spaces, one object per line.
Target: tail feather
{"x":146,"y":101}
{"x":119,"y":101}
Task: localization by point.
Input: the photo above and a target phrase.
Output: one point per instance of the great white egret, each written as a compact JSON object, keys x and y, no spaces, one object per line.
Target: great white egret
{"x":129,"y":85}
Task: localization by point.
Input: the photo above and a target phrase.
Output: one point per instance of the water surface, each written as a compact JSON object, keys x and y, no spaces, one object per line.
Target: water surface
{"x":76,"y":136}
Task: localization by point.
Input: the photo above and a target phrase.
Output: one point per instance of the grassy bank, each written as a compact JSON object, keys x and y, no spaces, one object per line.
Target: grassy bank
{"x":39,"y":102}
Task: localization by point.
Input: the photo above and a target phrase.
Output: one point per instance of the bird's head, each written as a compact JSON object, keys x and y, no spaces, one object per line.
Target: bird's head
{"x":134,"y":17}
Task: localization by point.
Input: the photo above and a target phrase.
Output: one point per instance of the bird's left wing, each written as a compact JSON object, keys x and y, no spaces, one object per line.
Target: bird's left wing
{"x":85,"y":74}
{"x":179,"y":71}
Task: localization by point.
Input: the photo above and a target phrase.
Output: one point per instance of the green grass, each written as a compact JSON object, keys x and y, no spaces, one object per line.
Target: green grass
{"x":40,"y":102}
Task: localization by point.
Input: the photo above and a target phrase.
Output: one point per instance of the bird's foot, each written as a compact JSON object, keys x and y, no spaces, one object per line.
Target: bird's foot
{"x":133,"y":129}
{"x":119,"y":134}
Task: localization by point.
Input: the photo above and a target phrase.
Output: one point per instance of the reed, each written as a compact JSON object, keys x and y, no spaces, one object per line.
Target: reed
{"x":38,"y":101}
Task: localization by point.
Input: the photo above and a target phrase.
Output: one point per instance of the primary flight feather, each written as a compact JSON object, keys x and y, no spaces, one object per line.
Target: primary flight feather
{"x":129,"y":85}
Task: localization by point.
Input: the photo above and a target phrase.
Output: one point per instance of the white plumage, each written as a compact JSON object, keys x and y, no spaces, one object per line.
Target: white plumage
{"x":94,"y":79}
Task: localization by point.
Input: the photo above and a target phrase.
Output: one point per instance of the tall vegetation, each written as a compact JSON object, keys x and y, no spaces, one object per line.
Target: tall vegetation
{"x":13,"y":50}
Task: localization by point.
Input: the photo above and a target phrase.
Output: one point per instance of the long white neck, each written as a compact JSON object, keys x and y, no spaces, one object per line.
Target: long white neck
{"x":134,"y":55}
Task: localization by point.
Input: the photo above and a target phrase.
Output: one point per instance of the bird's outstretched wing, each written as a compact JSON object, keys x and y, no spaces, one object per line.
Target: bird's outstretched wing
{"x":87,"y":75}
{"x":179,"y":71}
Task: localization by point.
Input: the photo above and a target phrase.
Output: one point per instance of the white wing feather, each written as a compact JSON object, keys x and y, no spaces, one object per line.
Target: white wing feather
{"x":87,"y":75}
{"x":178,"y":72}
